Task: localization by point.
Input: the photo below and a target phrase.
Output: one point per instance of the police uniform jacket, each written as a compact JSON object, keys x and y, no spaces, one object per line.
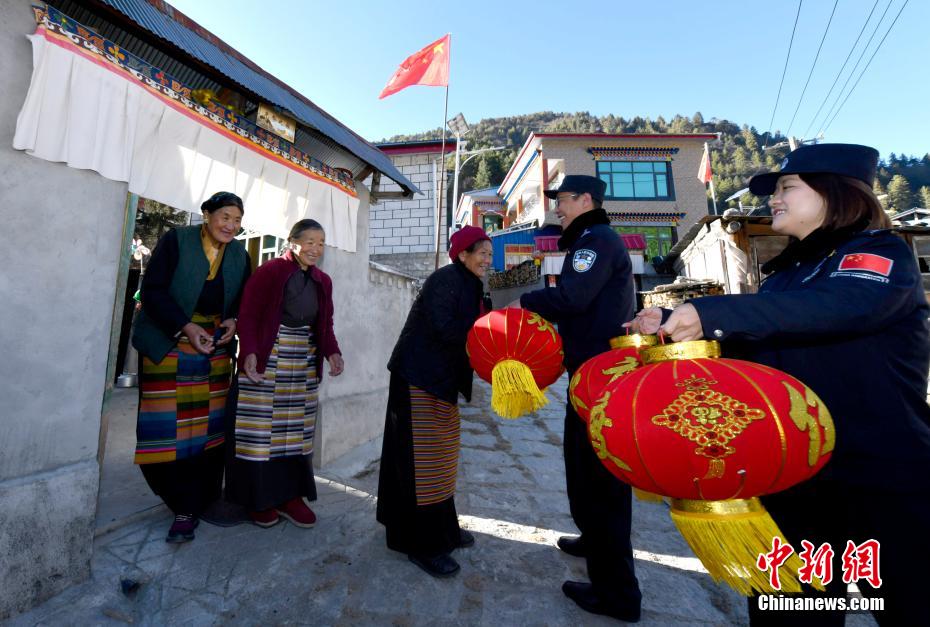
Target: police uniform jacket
{"x":845,"y":313}
{"x":594,"y":296}
{"x":430,"y":353}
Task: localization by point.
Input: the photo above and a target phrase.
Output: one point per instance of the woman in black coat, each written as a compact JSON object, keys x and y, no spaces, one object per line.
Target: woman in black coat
{"x":844,"y":311}
{"x":429,"y":369}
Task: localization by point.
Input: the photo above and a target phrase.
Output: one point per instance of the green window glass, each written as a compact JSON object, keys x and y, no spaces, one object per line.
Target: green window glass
{"x":637,"y":180}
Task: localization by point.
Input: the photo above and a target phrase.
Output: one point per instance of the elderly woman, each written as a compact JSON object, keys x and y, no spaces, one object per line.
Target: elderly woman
{"x":429,"y":369}
{"x":190,"y":298}
{"x":844,"y":311}
{"x":285,"y":328}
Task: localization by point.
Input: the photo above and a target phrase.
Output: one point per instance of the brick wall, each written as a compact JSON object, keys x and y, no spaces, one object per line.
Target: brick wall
{"x":403,"y":232}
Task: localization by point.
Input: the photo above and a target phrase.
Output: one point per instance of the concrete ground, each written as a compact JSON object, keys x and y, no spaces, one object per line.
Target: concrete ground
{"x":510,"y":494}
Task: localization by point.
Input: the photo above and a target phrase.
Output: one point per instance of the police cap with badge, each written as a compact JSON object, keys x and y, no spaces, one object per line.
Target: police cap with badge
{"x":852,"y":160}
{"x":580,"y":184}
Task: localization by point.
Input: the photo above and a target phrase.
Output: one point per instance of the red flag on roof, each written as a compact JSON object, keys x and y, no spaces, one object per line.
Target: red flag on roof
{"x":429,"y":66}
{"x":705,"y":174}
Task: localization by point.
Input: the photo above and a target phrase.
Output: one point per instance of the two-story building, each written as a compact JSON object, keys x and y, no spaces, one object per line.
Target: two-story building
{"x":652,"y":185}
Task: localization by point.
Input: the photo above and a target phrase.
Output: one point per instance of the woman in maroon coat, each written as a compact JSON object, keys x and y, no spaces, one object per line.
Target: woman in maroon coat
{"x":285,"y":329}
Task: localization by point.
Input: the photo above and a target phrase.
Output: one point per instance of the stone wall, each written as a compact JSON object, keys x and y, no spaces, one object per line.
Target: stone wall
{"x":371,"y":306}
{"x":63,"y":230}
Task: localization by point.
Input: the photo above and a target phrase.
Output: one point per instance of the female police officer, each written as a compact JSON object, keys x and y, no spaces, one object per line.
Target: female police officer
{"x":845,"y":313}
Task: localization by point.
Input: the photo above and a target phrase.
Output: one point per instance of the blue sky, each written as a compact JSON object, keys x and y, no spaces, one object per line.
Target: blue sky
{"x":723,"y":58}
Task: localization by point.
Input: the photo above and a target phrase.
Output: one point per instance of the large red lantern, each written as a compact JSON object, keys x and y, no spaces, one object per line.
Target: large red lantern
{"x":593,"y":375}
{"x":519,"y":353}
{"x":713,"y":434}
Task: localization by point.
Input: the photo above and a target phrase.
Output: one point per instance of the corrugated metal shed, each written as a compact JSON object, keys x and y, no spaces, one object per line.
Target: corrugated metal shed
{"x":499,"y":239}
{"x":157,"y":18}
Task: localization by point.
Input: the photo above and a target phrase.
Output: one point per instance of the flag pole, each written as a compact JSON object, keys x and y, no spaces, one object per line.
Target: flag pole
{"x":713,"y":194}
{"x":442,"y":177}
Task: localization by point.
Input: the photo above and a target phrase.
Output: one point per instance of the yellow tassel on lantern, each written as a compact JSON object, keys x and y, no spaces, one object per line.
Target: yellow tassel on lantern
{"x":729,"y":536}
{"x":647,"y":497}
{"x":514,"y":392}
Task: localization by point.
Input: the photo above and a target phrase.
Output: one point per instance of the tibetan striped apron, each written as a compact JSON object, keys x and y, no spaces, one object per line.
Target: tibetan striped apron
{"x":277,"y":418}
{"x":182,"y":404}
{"x":435,"y":430}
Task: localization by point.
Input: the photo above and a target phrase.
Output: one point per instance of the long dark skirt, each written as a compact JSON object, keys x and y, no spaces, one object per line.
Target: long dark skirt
{"x":188,"y":485}
{"x":424,"y":521}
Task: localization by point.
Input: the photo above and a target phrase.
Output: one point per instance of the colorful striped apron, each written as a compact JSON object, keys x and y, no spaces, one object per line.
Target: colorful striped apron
{"x":277,"y":417}
{"x":182,"y":407}
{"x":435,"y":429}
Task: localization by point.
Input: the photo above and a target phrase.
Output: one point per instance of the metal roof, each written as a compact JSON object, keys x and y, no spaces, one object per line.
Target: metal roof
{"x":163,"y":24}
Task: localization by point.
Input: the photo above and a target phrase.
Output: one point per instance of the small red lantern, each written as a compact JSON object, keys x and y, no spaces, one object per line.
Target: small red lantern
{"x":519,"y":353}
{"x":593,"y":375}
{"x":713,"y":434}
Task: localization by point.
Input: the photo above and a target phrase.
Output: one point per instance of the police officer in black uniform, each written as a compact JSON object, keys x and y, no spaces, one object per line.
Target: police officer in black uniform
{"x":845,"y":312}
{"x":593,"y":299}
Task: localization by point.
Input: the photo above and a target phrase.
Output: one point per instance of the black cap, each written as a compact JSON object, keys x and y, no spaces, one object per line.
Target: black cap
{"x":852,"y":160}
{"x":580,"y":184}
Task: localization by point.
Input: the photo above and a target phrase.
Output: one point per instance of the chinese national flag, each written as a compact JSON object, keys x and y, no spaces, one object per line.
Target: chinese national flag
{"x":705,"y":174}
{"x":429,"y":66}
{"x":867,"y":261}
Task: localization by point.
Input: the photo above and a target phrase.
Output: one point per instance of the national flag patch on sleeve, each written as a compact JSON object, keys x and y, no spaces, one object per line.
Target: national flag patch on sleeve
{"x":868,"y":262}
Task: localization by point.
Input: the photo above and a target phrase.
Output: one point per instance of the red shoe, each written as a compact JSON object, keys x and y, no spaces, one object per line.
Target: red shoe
{"x":298,"y":513}
{"x":266,"y":518}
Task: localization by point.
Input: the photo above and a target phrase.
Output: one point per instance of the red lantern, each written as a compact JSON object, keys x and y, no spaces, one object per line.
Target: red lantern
{"x":594,"y":374}
{"x":711,"y":433}
{"x":519,"y":353}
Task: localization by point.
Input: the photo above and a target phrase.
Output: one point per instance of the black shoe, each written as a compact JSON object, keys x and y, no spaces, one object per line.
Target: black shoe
{"x":572,"y":546}
{"x":439,"y":566}
{"x":466,"y":539}
{"x":182,"y":529}
{"x":586,"y":598}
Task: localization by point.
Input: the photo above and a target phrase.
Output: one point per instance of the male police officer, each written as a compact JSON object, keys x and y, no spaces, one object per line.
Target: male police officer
{"x":593,"y":299}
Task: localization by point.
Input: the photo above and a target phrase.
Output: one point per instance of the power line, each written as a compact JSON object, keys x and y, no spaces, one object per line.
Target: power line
{"x":867,"y":64}
{"x":840,"y":73}
{"x":784,"y":71}
{"x":856,"y":66}
{"x":813,"y":65}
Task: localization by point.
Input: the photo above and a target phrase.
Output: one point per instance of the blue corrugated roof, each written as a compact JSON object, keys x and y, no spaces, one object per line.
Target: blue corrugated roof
{"x":258,"y":82}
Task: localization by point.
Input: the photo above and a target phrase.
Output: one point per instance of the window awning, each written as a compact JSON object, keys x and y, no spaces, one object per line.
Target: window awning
{"x":94,"y":106}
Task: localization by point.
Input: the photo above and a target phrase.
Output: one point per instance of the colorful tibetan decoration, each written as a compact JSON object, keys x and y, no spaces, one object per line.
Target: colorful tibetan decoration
{"x":519,"y":353}
{"x":714,"y":434}
{"x":589,"y":380}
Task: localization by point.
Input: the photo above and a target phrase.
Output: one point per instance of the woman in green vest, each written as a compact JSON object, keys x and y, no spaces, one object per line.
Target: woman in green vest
{"x":190,"y":298}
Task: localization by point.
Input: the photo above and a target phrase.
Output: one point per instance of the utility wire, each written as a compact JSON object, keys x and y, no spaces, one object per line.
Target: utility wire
{"x":840,"y":73}
{"x":855,"y":67}
{"x":867,"y":64}
{"x":784,"y":71}
{"x":813,"y":65}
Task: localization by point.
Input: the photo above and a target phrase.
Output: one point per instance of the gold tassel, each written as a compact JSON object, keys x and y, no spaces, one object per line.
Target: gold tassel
{"x":729,"y":536}
{"x":514,"y":392}
{"x":648,"y":497}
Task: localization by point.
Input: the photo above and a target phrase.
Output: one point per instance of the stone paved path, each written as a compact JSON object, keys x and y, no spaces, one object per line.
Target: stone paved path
{"x":510,"y":493}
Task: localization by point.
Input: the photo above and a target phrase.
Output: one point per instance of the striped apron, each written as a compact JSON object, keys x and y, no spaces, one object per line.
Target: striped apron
{"x":435,"y":430}
{"x":277,"y":417}
{"x":182,"y":403}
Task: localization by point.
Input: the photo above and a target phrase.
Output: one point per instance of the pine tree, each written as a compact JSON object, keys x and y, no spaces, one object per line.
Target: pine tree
{"x":924,"y":197}
{"x":900,"y":196}
{"x":881,"y":193}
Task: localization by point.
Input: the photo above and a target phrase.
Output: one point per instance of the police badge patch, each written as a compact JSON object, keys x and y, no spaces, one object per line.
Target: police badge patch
{"x":583,"y":260}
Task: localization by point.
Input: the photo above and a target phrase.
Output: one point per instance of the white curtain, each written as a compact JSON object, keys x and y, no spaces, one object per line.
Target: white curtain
{"x":84,"y":112}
